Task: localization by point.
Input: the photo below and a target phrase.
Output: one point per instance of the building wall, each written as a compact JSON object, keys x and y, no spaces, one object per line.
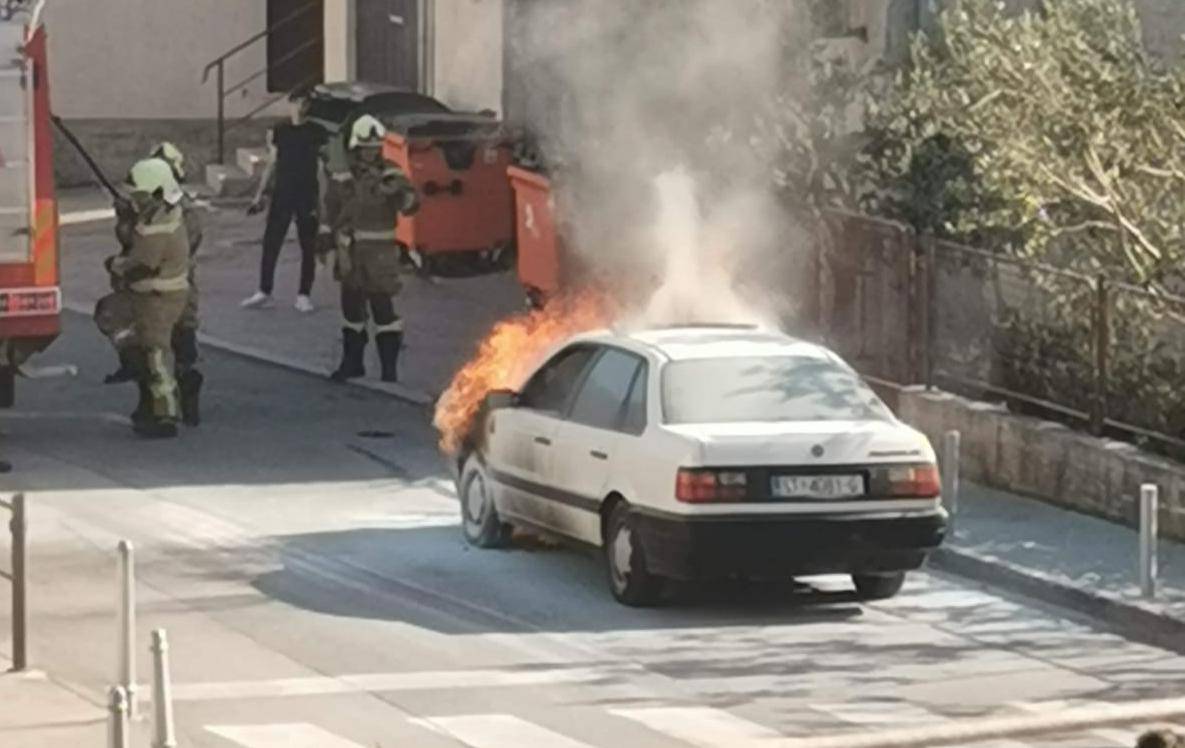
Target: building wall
{"x":340,"y":41}
{"x":133,"y":59}
{"x":1164,"y":25}
{"x":467,"y":53}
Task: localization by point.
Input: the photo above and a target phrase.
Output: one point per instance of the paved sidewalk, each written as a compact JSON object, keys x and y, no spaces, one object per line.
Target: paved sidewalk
{"x":445,"y":319}
{"x":1066,"y":557}
{"x":36,"y":712}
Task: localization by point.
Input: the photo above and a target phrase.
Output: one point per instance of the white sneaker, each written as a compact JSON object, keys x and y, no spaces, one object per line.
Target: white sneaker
{"x":258,"y":300}
{"x":304,"y":304}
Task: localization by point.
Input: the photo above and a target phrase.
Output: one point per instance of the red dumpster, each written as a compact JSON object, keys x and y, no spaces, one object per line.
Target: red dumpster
{"x":539,"y":246}
{"x":458,"y":164}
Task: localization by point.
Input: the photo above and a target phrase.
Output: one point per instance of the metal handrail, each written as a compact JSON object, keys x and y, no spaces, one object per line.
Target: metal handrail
{"x":264,"y":71}
{"x":219,"y":66}
{"x":266,"y":104}
{"x":221,"y":60}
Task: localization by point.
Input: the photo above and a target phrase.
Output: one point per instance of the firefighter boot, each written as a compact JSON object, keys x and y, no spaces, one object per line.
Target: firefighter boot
{"x":139,"y":369}
{"x":389,"y":344}
{"x":189,"y":385}
{"x":127,"y":368}
{"x":159,"y":420}
{"x":353,"y":350}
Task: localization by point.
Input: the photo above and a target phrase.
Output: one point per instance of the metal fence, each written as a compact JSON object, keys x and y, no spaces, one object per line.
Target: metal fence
{"x":1097,"y":353}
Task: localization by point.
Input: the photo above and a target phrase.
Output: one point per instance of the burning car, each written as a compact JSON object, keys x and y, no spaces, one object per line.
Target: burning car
{"x":688,"y":453}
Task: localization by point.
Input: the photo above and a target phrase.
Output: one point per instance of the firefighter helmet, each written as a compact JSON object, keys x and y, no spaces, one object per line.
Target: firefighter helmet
{"x":172,"y":156}
{"x":155,"y":177}
{"x":367,"y":131}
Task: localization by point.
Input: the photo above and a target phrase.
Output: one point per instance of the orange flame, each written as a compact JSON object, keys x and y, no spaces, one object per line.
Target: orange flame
{"x":508,"y":354}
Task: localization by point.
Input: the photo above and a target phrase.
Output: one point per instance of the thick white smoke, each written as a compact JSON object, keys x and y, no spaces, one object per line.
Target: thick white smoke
{"x":645,"y":109}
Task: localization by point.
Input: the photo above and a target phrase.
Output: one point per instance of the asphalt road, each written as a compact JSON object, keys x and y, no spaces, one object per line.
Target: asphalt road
{"x":301,"y":548}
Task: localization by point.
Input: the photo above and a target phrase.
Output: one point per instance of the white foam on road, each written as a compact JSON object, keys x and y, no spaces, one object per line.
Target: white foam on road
{"x":291,"y":735}
{"x":382,"y":682}
{"x":979,"y":730}
{"x":75,"y":217}
{"x":703,"y":727}
{"x":498,"y":731}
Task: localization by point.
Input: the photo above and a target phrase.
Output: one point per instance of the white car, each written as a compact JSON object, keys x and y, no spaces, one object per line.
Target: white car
{"x":705,"y":452}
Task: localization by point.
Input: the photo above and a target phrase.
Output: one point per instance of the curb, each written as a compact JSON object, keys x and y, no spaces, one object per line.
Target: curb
{"x":1135,"y":619}
{"x":399,"y":392}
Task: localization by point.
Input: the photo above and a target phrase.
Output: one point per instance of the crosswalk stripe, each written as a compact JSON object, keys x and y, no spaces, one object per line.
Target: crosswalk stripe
{"x":895,"y":714}
{"x":498,"y":731}
{"x":377,"y":682}
{"x":294,"y":735}
{"x":703,"y":727}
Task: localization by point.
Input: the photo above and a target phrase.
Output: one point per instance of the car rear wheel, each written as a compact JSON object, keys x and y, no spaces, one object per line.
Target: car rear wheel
{"x":878,"y":586}
{"x":479,"y":517}
{"x":630,"y":581}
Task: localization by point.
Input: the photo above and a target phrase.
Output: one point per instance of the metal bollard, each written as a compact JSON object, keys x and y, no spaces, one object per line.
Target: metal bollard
{"x":162,"y":693}
{"x":126,"y":666}
{"x":20,"y":610}
{"x":951,"y":442}
{"x":119,"y":732}
{"x":1149,"y":501}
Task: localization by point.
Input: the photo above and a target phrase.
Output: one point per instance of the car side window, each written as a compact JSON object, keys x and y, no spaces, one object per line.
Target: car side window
{"x":603,"y":395}
{"x":550,"y":388}
{"x":634,"y":419}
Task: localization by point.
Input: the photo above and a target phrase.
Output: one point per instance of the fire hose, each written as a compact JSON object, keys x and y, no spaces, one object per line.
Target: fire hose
{"x":104,"y":182}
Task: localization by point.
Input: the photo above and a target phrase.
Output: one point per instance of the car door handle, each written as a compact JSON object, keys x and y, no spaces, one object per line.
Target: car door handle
{"x":543,"y":440}
{"x":599,"y":455}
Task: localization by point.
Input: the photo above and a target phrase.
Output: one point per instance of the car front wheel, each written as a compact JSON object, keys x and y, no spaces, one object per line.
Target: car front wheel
{"x":878,"y":586}
{"x":479,"y":517}
{"x":630,"y":581}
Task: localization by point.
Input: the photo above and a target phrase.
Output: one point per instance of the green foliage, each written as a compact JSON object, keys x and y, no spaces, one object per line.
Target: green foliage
{"x":1049,"y":135}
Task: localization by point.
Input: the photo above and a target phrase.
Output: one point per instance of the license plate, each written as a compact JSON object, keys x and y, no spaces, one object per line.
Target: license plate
{"x":817,"y":486}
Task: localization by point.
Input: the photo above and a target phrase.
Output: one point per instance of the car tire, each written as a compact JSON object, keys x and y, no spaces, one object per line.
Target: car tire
{"x":480,"y":522}
{"x":878,"y":586}
{"x":625,"y":559}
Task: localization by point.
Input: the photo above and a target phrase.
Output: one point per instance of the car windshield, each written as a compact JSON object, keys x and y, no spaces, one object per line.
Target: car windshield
{"x":766,"y":388}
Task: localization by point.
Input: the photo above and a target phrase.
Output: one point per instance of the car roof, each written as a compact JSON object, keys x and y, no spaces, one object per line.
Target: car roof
{"x":687,"y":342}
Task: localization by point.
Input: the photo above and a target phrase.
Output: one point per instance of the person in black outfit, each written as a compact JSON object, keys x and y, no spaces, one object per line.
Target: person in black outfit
{"x":291,"y":182}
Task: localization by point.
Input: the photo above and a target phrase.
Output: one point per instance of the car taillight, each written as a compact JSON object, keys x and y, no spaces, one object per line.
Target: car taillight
{"x":914,"y":481}
{"x":699,"y":486}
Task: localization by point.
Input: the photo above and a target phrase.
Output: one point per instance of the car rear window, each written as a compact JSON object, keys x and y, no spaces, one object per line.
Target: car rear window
{"x":769,"y":388}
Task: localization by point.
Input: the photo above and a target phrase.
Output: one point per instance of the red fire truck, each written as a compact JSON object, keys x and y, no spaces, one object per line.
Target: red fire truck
{"x":30,"y":294}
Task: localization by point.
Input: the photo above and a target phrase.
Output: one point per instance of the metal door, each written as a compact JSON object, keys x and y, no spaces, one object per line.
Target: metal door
{"x":388,"y":42}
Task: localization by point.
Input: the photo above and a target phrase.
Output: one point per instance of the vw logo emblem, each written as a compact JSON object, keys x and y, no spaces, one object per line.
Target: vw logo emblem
{"x":817,"y":450}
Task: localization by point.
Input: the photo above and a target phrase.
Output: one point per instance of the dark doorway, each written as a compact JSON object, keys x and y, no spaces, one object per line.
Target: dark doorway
{"x":295,"y":46}
{"x":388,"y":42}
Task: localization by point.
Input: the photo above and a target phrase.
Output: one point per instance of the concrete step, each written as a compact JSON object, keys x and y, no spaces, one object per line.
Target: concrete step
{"x":252,"y":160}
{"x":229,"y":181}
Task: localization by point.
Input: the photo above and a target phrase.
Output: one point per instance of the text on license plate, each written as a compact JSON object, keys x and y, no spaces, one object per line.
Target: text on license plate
{"x":817,"y":486}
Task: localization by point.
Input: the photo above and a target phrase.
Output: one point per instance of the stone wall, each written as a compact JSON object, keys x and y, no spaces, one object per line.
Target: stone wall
{"x":1047,"y":460}
{"x":115,"y":144}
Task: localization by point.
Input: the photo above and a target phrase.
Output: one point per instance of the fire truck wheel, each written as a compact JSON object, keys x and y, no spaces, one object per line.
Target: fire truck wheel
{"x":7,"y":387}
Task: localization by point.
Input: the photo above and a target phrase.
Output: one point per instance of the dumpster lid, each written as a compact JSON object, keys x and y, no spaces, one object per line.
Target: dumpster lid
{"x":332,"y":104}
{"x":452,"y":125}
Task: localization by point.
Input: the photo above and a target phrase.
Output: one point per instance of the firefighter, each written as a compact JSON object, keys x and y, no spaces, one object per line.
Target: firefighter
{"x":362,"y":209}
{"x":114,"y":314}
{"x":184,"y":338}
{"x":155,"y":272}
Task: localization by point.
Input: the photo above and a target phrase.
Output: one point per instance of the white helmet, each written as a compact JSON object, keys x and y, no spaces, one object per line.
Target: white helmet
{"x":367,"y":131}
{"x":153,"y":176}
{"x":173,"y":156}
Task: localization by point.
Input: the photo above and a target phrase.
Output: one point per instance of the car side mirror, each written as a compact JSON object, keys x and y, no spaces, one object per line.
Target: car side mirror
{"x":498,"y":399}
